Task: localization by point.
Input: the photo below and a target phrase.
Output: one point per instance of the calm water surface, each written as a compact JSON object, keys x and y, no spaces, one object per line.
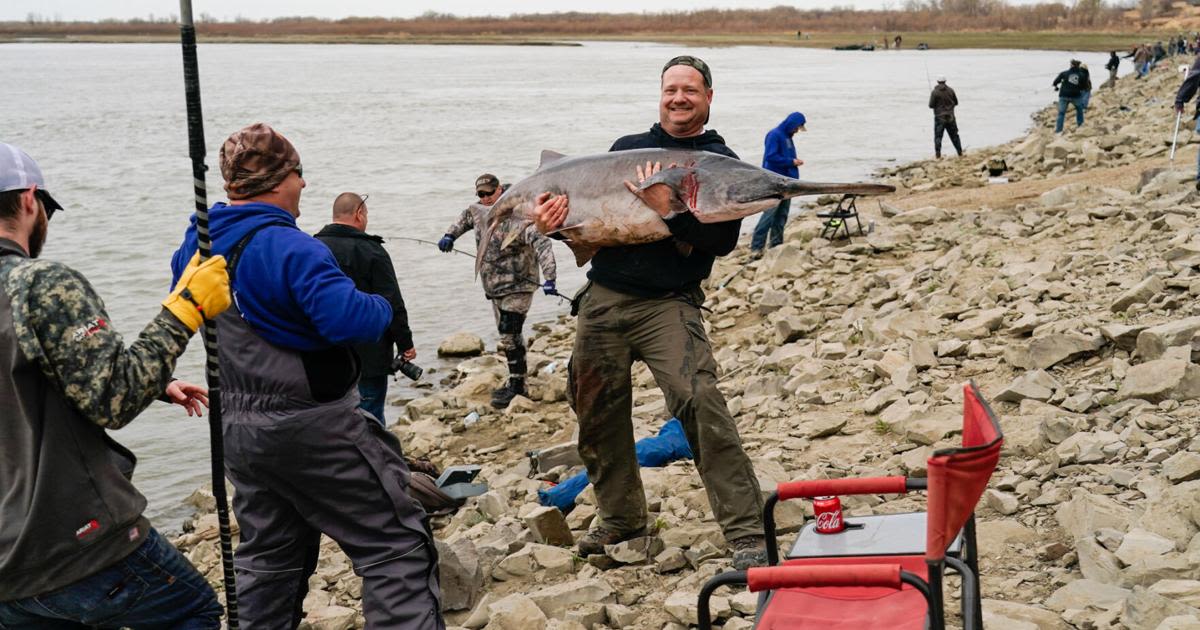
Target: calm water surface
{"x":413,"y":126}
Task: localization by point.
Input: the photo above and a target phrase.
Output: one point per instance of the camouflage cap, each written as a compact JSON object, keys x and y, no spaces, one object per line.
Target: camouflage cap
{"x":691,"y":62}
{"x":256,"y":159}
{"x":487,"y":183}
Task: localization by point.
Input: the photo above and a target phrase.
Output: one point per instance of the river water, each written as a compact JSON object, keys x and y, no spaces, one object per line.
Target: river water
{"x":413,"y":126}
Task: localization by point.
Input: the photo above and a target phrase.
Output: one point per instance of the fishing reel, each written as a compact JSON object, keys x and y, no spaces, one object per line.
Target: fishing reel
{"x":406,"y":367}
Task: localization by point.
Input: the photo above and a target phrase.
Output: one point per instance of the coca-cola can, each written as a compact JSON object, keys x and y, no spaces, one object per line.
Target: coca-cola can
{"x":828,"y":512}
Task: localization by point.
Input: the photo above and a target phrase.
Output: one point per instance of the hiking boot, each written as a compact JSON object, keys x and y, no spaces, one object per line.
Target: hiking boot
{"x":749,"y":551}
{"x":501,"y":397}
{"x":756,"y":254}
{"x":593,"y":542}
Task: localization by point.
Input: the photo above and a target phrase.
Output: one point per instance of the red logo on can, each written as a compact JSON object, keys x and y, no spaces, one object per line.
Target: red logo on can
{"x":828,"y":512}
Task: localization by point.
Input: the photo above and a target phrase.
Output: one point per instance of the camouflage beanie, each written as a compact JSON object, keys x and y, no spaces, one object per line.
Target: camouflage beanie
{"x":255,"y":160}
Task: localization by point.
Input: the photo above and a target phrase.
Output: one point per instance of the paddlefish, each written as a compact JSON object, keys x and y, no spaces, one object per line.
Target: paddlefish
{"x":602,"y":212}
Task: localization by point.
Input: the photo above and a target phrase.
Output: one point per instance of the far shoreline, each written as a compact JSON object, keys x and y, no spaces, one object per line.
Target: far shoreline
{"x":951,"y":40}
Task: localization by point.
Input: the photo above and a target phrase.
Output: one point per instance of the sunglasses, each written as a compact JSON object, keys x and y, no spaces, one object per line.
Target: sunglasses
{"x":363,"y":200}
{"x":299,"y":171}
{"x":44,"y":197}
{"x":485,"y":193}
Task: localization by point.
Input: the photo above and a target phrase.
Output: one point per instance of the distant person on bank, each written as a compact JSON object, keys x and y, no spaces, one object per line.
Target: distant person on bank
{"x":363,"y":258}
{"x":1189,"y":88}
{"x":943,"y":100}
{"x":76,"y":550}
{"x":1114,"y":62}
{"x":779,"y":156}
{"x":1070,"y":84}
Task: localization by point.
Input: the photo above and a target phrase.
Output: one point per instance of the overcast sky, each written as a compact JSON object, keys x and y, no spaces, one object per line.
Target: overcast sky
{"x":124,"y":9}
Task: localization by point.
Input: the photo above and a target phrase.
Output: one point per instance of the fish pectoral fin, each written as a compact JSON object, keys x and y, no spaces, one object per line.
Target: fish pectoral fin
{"x":583,"y":252}
{"x":660,"y":197}
{"x":549,"y":157}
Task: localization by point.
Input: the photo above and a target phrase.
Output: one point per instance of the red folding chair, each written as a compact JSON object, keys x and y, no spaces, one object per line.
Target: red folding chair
{"x":888,"y":572}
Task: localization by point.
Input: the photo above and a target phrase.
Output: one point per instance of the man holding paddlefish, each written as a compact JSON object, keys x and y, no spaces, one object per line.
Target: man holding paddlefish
{"x":75,"y":549}
{"x":649,"y":256}
{"x":304,"y":459}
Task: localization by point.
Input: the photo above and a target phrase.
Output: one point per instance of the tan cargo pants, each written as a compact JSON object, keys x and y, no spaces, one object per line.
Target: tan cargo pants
{"x":614,"y":330}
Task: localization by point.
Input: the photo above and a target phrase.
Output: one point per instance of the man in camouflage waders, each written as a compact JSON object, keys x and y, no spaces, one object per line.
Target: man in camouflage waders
{"x":643,"y":302}
{"x":510,"y":277}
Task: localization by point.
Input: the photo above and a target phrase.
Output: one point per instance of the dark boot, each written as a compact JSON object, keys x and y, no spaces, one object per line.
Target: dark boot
{"x":501,"y":397}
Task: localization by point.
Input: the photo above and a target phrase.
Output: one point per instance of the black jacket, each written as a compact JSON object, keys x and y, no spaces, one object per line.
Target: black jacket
{"x":1072,"y":83}
{"x":1114,"y":62}
{"x":943,"y":100}
{"x":362,"y":257}
{"x":658,"y":269}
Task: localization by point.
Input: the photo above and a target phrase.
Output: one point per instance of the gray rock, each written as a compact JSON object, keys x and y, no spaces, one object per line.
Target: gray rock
{"x":1035,"y":385}
{"x":1049,"y":350}
{"x":549,"y":527}
{"x":922,"y":354}
{"x":554,"y":600}
{"x":1097,"y":563}
{"x":1122,"y":336}
{"x":1183,"y":591}
{"x":1145,"y":610}
{"x":1086,"y":593}
{"x":1002,"y":502}
{"x":636,"y":550}
{"x":670,"y":560}
{"x":1016,"y":616}
{"x":515,"y":612}
{"x":461,"y":344}
{"x":1182,"y":466}
{"x":1164,"y":379}
{"x":459,"y":573}
{"x":1179,"y":622}
{"x":880,"y":399}
{"x":1154,"y":341}
{"x":1138,"y":543}
{"x":1141,"y":293}
{"x":1086,"y":512}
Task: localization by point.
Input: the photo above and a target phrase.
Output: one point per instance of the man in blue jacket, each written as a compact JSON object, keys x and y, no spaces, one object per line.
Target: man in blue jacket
{"x":302,"y":457}
{"x":779,"y":156}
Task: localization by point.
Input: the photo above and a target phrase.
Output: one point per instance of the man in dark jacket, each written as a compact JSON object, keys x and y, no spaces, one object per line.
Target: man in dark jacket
{"x":943,"y":100}
{"x":75,"y":549}
{"x":779,"y":156}
{"x":1188,"y":89}
{"x":362,"y":257}
{"x":1114,"y":63}
{"x":301,"y":455}
{"x":643,"y":302}
{"x":1071,"y":84}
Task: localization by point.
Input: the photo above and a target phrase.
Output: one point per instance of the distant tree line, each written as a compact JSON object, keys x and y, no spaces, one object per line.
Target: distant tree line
{"x":912,"y":15}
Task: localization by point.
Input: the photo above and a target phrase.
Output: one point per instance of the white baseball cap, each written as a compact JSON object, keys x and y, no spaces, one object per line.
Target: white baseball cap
{"x":941,"y":78}
{"x":18,"y":171}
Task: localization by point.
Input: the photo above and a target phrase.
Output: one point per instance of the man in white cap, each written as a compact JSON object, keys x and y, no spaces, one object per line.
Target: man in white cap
{"x":942,"y":101}
{"x":75,"y":548}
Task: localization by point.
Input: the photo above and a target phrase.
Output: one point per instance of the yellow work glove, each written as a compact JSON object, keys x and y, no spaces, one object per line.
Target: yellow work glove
{"x":201,"y":293}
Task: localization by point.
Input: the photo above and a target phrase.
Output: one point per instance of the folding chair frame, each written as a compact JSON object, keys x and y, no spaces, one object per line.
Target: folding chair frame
{"x":847,"y":208}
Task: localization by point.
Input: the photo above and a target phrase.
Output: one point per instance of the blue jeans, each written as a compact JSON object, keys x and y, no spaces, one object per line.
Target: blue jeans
{"x":373,"y":390}
{"x":1063,"y":101}
{"x":154,"y":587}
{"x":772,"y":222}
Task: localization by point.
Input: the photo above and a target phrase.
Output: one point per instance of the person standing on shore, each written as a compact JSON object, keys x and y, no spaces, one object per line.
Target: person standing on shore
{"x":943,"y":100}
{"x":303,"y":458}
{"x":1188,"y":89}
{"x":509,"y":276}
{"x":1114,"y":62}
{"x":75,"y":547}
{"x":779,"y":156}
{"x":1070,"y":84}
{"x":644,"y":302}
{"x":363,"y":258}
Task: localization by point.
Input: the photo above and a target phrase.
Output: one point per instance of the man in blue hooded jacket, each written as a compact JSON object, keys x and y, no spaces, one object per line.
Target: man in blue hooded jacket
{"x":779,"y":156}
{"x":304,"y":460}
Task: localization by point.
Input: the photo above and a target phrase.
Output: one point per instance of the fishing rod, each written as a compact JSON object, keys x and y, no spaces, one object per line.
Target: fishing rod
{"x":459,"y":251}
{"x":195,"y":123}
{"x":1175,"y":138}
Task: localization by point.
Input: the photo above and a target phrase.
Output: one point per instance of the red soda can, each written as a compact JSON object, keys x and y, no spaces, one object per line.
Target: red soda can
{"x":828,"y":512}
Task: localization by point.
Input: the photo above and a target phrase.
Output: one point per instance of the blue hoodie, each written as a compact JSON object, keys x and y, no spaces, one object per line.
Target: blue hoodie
{"x":779,"y":151}
{"x":287,"y":285}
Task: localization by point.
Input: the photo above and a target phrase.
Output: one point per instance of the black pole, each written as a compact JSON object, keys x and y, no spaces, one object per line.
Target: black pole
{"x":195,"y":123}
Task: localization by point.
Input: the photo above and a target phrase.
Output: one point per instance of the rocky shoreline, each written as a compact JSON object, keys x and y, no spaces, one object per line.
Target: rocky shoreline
{"x":1068,"y":295}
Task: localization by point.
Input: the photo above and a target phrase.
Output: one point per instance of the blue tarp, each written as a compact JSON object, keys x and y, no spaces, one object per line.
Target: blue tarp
{"x":654,"y":452}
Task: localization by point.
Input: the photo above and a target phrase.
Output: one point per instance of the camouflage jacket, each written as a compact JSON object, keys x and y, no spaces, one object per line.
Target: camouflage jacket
{"x":514,"y":256}
{"x":61,"y":326}
{"x":68,"y":509}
